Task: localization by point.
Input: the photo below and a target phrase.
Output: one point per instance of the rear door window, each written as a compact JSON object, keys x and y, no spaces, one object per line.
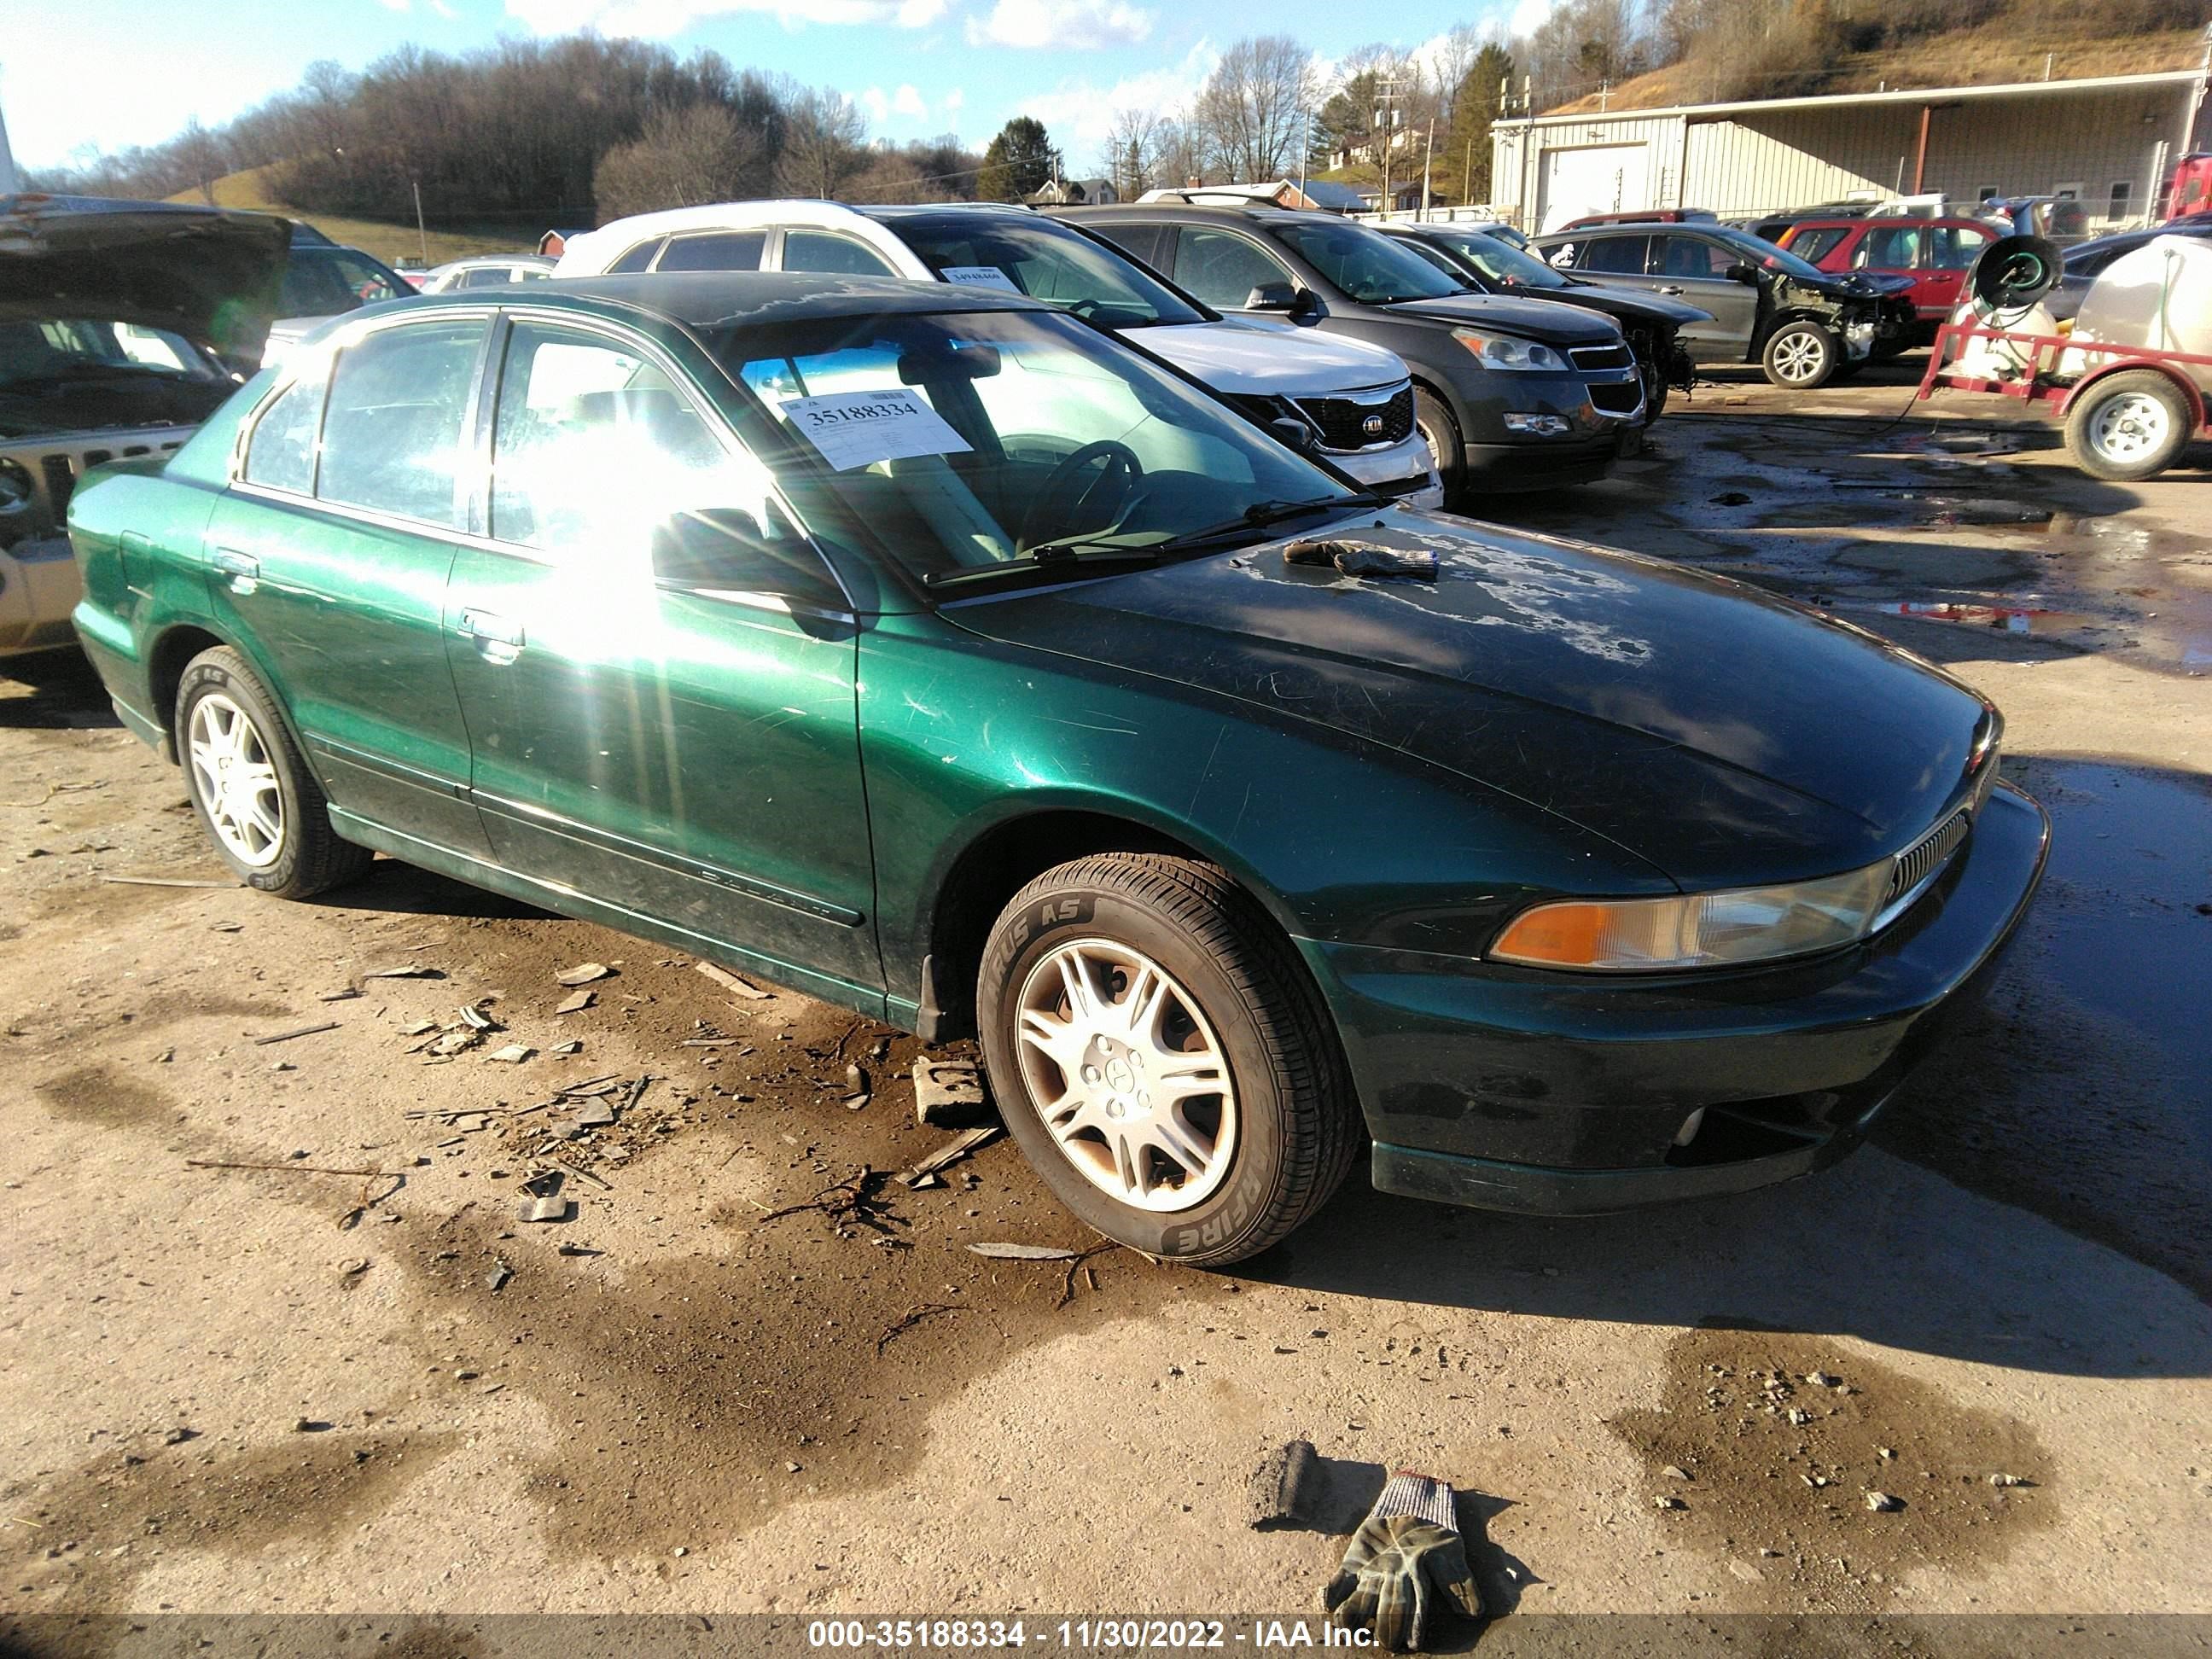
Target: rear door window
{"x":1139,"y":242}
{"x":1955,"y":247}
{"x":638,"y":258}
{"x":281,"y":454}
{"x":1620,"y":255}
{"x":393,"y":433}
{"x":840,"y":255}
{"x":1221,"y":268}
{"x":721,"y":250}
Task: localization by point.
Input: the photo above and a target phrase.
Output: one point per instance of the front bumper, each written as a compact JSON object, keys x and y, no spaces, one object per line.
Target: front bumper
{"x":38,"y":588}
{"x":1559,"y":1094}
{"x":1399,"y":470}
{"x":1544,"y":463}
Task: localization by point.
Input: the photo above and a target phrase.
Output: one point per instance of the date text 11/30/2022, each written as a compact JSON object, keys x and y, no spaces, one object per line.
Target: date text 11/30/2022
{"x":1084,"y":1635}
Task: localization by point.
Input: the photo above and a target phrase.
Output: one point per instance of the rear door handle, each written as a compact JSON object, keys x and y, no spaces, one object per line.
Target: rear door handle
{"x":243,"y":569}
{"x":497,"y":639}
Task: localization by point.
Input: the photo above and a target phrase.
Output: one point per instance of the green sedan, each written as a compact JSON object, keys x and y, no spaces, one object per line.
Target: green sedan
{"x":928,"y":651}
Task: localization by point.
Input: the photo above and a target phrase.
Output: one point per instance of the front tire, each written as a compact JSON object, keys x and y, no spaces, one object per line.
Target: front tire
{"x":1800,"y":356}
{"x":1447,"y":449}
{"x":2132,"y":426}
{"x":255,"y":798}
{"x":1163,"y":1059}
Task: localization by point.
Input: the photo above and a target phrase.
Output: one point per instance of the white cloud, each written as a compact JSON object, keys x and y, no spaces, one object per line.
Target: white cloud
{"x":1064,"y":25}
{"x":906,"y":104}
{"x":657,"y":20}
{"x":397,"y":5}
{"x":450,"y":14}
{"x":956,"y":100}
{"x":1079,"y":114}
{"x":1527,"y":17}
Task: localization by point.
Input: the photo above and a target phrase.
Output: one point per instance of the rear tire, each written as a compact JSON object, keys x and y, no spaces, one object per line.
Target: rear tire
{"x":1447,"y":449}
{"x":1800,"y":356}
{"x":261,"y":807}
{"x":1203,"y":1131}
{"x":2132,"y":426}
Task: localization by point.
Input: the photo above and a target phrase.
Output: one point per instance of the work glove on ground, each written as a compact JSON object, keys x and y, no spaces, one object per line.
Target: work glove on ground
{"x":1405,"y":1568}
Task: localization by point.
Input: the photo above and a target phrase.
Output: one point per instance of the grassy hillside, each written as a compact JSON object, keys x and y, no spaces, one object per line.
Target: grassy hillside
{"x":1992,"y":54}
{"x":388,"y":242}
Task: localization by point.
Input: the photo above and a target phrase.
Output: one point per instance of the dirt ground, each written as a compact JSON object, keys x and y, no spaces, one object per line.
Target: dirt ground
{"x":275,"y":1340}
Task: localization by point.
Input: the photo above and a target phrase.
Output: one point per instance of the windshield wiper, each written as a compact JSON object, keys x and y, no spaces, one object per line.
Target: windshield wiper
{"x":1046,"y":561}
{"x":1260,"y":514}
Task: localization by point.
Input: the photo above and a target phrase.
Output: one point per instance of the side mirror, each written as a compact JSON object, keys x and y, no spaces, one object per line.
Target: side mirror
{"x":1745,"y":274}
{"x":726,"y":550}
{"x":1291,"y":433}
{"x":1272,"y":296}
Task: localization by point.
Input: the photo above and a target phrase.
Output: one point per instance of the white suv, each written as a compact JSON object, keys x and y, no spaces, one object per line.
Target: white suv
{"x":1355,"y":400}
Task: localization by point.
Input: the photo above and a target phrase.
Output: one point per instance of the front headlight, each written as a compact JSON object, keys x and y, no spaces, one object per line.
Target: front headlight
{"x":1696,"y":930}
{"x":1510,"y":351}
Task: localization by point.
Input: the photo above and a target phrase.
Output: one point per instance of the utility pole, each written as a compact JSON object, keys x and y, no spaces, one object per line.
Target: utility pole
{"x":1428,"y":155}
{"x":1527,"y":144}
{"x":9,"y":183}
{"x":422,"y":235}
{"x":1386,"y":97}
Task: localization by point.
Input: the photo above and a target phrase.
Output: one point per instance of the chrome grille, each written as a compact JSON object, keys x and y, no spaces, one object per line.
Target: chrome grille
{"x":1920,"y":864}
{"x":1604,"y":356}
{"x":1362,"y":423}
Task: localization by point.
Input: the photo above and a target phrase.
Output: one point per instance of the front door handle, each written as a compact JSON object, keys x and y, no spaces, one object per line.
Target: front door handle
{"x":243,"y":569}
{"x":497,"y":639}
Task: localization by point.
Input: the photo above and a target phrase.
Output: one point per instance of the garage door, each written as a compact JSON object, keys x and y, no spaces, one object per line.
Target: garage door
{"x":1602,"y":178}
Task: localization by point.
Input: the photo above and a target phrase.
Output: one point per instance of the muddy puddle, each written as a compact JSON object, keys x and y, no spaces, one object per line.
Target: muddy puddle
{"x":1764,"y":1448}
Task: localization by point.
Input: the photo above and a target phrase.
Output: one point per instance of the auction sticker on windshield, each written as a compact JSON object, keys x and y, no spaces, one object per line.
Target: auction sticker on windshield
{"x":979,"y":277}
{"x":858,"y":429}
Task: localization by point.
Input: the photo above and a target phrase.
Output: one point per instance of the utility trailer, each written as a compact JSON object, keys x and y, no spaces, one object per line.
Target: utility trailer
{"x":2129,"y":413}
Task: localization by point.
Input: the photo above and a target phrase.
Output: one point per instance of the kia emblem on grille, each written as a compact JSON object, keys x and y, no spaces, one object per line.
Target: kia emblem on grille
{"x":1372,"y":426}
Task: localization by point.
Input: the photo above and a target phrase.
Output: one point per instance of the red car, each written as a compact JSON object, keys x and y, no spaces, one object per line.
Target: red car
{"x":1934,"y":255}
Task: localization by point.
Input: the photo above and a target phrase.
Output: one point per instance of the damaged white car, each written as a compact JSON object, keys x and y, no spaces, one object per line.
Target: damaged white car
{"x":120,"y":323}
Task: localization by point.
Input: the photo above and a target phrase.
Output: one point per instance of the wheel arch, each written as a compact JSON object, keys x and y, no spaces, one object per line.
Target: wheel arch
{"x":973,"y":882}
{"x":174,"y":646}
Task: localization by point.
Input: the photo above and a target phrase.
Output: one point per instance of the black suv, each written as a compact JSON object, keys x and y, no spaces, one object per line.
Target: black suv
{"x":1510,"y":394}
{"x":1803,"y":326}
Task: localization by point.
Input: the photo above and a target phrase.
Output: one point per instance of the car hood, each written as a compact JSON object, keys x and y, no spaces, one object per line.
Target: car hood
{"x":1535,"y":320}
{"x":1868,"y":282}
{"x":1620,"y":304}
{"x":205,"y":273}
{"x":1722,"y":735}
{"x":1287,"y":362}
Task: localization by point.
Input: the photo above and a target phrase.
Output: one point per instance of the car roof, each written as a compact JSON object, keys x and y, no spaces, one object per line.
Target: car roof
{"x":1888,"y":221}
{"x":1191,"y":210}
{"x":725,"y":299}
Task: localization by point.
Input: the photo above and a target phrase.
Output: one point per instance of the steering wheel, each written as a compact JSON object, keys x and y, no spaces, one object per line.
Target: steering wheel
{"x":1061,"y":506}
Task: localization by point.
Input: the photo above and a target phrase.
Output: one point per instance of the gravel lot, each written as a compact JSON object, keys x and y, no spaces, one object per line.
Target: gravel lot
{"x":285,"y":1390}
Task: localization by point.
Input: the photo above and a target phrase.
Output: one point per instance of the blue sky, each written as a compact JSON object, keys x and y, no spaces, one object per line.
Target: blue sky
{"x":118,"y":72}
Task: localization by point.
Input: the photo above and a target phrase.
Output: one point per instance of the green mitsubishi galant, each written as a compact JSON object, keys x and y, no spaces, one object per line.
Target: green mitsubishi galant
{"x":930,"y":651}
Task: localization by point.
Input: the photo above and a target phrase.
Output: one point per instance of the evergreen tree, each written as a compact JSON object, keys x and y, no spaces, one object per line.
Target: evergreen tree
{"x":1018,"y":162}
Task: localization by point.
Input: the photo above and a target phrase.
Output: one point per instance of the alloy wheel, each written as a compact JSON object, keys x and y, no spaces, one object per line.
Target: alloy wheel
{"x":236,"y":780}
{"x":1128,"y":1075}
{"x":1799,"y":356}
{"x":2128,"y":427}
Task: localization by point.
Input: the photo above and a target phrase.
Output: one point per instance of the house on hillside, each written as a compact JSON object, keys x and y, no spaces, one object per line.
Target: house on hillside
{"x":2107,"y":142}
{"x":1074,"y":192}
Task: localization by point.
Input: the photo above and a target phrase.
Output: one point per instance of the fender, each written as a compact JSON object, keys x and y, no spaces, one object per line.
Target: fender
{"x":2187,"y":388}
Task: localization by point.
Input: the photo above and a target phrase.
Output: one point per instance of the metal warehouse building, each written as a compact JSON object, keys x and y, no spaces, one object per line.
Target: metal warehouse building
{"x":2108,"y":142}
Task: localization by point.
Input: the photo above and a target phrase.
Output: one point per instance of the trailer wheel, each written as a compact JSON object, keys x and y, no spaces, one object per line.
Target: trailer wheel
{"x":2129,"y":427}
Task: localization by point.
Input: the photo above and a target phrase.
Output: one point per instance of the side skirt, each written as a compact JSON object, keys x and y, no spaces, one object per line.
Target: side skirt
{"x":568,"y":902}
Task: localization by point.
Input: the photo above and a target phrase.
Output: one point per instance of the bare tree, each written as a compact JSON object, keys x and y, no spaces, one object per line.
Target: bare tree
{"x":1132,"y":154}
{"x":824,"y":139}
{"x":1255,"y":105}
{"x":684,"y":158}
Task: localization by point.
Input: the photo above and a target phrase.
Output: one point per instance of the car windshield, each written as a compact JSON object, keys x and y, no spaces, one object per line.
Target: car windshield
{"x":973,"y":445}
{"x":85,"y":348}
{"x":1765,"y":253}
{"x":1364,"y":263}
{"x":323,"y":283}
{"x":1043,"y":260}
{"x":1500,"y":261}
